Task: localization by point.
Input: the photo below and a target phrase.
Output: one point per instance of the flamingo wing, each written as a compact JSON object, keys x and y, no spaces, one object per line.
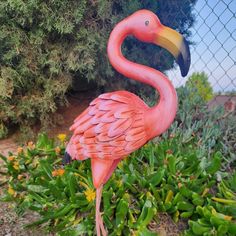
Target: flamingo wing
{"x":110,"y":128}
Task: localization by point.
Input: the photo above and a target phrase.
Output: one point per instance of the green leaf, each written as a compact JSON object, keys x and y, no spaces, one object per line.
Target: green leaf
{"x":215,"y":163}
{"x":171,"y":164}
{"x":156,"y":177}
{"x":197,"y":199}
{"x":37,"y":188}
{"x":232,"y":228}
{"x":3,"y":158}
{"x":71,"y":182}
{"x":146,"y":232}
{"x":198,"y":229}
{"x":185,"y":206}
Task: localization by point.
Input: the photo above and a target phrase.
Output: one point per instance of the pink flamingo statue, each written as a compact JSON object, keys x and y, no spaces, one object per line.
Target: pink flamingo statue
{"x":118,"y":123}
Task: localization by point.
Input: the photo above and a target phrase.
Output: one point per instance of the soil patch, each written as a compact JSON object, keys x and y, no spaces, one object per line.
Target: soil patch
{"x":13,"y":225}
{"x":166,"y":226}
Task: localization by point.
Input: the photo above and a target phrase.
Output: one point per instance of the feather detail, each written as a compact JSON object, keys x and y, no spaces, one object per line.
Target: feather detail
{"x":119,"y":127}
{"x":80,"y":122}
{"x":89,"y":133}
{"x":87,"y":140}
{"x":82,"y":128}
{"x":91,"y":148}
{"x":117,"y":143}
{"x":108,"y":117}
{"x":110,"y":128}
{"x":105,"y":149}
{"x":96,"y":119}
{"x":104,"y":138}
{"x":107,"y":106}
{"x":93,"y":110}
{"x":124,"y":114}
{"x":102,"y":128}
{"x":136,"y":131}
{"x":119,"y":98}
{"x":134,"y":137}
{"x":132,"y":146}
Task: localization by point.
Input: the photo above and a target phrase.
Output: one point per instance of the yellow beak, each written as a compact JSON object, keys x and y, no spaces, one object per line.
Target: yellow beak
{"x":176,"y":44}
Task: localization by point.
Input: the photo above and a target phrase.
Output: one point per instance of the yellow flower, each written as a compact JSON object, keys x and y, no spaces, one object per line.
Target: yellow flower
{"x":11,"y":158}
{"x":61,"y":137}
{"x":57,"y":150}
{"x":58,"y":172}
{"x":90,"y":194}
{"x":19,"y":150}
{"x":11,"y":191}
{"x":16,"y":165}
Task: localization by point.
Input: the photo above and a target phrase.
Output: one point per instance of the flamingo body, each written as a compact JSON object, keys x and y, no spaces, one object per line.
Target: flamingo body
{"x":111,"y":128}
{"x":118,"y":123}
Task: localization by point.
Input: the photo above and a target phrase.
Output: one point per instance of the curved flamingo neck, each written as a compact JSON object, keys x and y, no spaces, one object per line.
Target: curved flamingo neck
{"x":159,"y":117}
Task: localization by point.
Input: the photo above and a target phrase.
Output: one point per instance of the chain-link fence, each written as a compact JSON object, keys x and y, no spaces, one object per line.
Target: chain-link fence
{"x":213,"y":48}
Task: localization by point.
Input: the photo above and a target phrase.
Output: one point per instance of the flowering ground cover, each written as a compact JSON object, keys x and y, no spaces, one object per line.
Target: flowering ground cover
{"x":162,"y":177}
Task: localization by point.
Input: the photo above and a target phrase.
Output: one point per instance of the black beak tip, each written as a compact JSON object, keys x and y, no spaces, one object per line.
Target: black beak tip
{"x":184,"y":59}
{"x":66,"y":159}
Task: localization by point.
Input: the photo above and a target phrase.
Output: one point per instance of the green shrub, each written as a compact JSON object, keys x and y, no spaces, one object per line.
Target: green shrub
{"x":44,"y":45}
{"x":162,"y":177}
{"x":199,"y":84}
{"x":210,"y":129}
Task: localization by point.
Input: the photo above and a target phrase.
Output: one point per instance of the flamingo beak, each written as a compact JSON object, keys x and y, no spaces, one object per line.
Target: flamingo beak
{"x":176,"y":44}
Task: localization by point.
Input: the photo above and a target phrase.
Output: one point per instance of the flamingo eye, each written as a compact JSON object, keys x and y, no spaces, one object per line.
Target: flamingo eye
{"x":146,"y":22}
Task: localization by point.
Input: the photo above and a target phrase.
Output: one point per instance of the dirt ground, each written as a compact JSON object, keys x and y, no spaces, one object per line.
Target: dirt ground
{"x":12,"y":225}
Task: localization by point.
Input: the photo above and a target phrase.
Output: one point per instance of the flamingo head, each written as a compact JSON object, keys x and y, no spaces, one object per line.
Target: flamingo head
{"x":146,"y":27}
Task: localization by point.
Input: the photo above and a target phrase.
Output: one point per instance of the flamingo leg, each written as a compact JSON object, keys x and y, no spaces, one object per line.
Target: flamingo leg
{"x":112,"y":168}
{"x":99,"y":222}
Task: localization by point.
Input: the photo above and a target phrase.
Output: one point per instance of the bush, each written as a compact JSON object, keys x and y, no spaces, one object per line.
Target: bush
{"x":210,"y":129}
{"x":162,"y":177}
{"x":198,"y":83}
{"x":46,"y":45}
{"x":38,"y":60}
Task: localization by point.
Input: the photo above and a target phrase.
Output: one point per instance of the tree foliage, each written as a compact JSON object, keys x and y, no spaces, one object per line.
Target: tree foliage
{"x":45,"y":45}
{"x":199,"y":84}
